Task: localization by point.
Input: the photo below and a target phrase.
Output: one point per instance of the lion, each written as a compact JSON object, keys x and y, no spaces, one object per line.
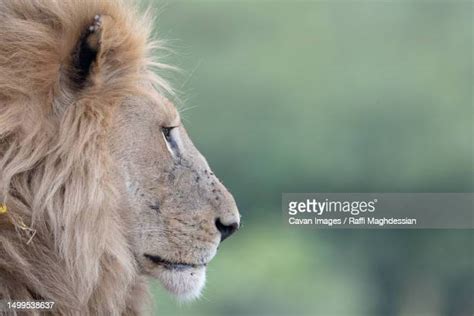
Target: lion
{"x":100,"y":186}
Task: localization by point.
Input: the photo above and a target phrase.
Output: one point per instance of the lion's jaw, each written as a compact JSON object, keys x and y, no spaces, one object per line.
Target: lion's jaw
{"x":184,"y":280}
{"x":180,"y":210}
{"x":185,"y":283}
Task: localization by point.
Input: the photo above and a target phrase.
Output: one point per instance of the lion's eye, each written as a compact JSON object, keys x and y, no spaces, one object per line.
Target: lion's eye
{"x":167,"y":133}
{"x":170,"y":134}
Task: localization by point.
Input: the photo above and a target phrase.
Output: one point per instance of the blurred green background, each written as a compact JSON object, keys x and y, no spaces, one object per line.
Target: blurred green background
{"x":328,"y":96}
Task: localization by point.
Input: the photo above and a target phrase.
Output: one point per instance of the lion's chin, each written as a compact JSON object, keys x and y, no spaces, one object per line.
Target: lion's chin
{"x":185,"y":284}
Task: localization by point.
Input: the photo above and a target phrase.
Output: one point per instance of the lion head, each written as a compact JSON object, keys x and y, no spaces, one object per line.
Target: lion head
{"x":181,"y":210}
{"x":101,"y":183}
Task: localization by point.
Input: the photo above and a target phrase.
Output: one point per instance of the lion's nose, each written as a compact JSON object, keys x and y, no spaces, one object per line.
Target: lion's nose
{"x":226,"y":229}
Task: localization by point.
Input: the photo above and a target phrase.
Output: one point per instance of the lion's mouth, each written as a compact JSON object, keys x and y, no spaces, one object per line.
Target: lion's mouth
{"x":173,"y":265}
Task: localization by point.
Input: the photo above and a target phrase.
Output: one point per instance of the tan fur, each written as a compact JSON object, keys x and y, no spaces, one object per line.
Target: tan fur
{"x":75,"y":233}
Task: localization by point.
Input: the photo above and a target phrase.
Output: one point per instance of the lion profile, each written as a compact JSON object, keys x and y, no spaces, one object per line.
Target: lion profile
{"x":101,"y":186}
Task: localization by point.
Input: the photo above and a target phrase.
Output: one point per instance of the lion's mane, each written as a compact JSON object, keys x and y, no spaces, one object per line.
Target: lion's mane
{"x":63,"y":237}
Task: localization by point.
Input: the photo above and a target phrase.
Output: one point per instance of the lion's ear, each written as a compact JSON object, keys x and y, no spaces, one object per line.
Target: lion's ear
{"x":87,"y":52}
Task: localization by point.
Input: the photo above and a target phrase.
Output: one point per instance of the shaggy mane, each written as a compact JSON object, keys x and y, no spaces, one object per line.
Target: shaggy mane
{"x":62,"y":238}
